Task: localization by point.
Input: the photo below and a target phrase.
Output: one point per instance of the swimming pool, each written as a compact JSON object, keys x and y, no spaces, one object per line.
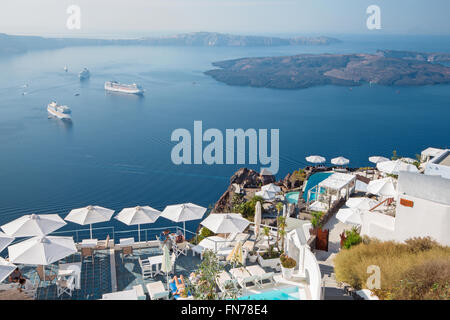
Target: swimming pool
{"x":292,"y":197}
{"x":313,"y":181}
{"x":285,"y":293}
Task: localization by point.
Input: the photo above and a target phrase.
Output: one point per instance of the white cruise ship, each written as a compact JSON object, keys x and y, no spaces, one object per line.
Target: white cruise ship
{"x":58,"y":111}
{"x":125,"y":88}
{"x":84,"y":74}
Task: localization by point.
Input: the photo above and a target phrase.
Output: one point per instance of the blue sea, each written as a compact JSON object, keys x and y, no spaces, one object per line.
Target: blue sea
{"x":116,"y":153}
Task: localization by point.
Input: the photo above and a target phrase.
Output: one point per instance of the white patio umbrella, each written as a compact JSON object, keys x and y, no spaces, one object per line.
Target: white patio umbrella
{"x":225,"y":222}
{"x":340,"y":161}
{"x":183,"y":212}
{"x":6,"y":268}
{"x":31,"y":225}
{"x":361,"y":203}
{"x":89,"y":215}
{"x":257,"y":220}
{"x":266,"y":195}
{"x":271,"y":188}
{"x":382,"y":187}
{"x":41,"y":250}
{"x":377,"y":159}
{"x":394,"y":167}
{"x":166,"y":265}
{"x":5,"y":240}
{"x":137,"y":216}
{"x":349,"y":216}
{"x":315,"y":159}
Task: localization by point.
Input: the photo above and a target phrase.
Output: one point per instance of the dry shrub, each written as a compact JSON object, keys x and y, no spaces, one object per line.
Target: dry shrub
{"x":427,"y":281}
{"x":396,"y":262}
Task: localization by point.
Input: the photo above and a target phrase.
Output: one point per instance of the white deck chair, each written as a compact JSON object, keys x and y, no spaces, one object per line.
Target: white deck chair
{"x":140,"y":292}
{"x":261,"y":274}
{"x":65,"y":286}
{"x":243,"y":277}
{"x":146,"y":268}
{"x":157,"y":291}
{"x":198,"y":249}
{"x":225,"y":282}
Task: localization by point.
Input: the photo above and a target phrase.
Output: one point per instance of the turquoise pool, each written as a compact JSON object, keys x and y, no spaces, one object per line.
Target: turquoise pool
{"x":313,"y":181}
{"x":292,"y":197}
{"x":286,"y":293}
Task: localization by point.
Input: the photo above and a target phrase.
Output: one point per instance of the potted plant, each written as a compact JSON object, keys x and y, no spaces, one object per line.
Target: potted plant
{"x":252,"y":256}
{"x":271,"y":257}
{"x":316,"y":222}
{"x":287,"y":266}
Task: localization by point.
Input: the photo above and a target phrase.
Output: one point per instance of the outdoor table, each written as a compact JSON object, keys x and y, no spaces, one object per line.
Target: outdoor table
{"x":121,"y":295}
{"x":68,"y":269}
{"x":127,"y":242}
{"x":157,"y":261}
{"x":89,"y":243}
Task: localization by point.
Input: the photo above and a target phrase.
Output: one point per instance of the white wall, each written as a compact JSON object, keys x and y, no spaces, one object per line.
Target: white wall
{"x":314,"y":276}
{"x":378,"y":225}
{"x":425,"y":218}
{"x":433,"y":168}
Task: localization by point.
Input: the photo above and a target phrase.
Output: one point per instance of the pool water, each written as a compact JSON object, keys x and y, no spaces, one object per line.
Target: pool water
{"x":292,"y":197}
{"x":286,"y":293}
{"x":313,"y":181}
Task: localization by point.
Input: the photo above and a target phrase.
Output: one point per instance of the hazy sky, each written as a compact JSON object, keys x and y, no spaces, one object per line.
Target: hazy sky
{"x":121,"y":17}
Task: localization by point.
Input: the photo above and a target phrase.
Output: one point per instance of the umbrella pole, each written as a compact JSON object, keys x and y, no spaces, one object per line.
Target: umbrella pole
{"x":139,"y":232}
{"x":184,"y":227}
{"x":91,"y":229}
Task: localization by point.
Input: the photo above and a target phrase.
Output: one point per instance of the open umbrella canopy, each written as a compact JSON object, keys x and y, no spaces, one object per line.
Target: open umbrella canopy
{"x":183,"y":212}
{"x":138,"y":215}
{"x":377,"y":159}
{"x":6,"y":268}
{"x":41,"y":250}
{"x":5,"y":240}
{"x":266,"y":195}
{"x":315,"y":159}
{"x":89,"y":215}
{"x":340,"y":161}
{"x":225,"y":222}
{"x":394,"y":167}
{"x":33,"y":225}
{"x":349,"y":216}
{"x":271,"y":188}
{"x":382,"y":187}
{"x":361,"y":203}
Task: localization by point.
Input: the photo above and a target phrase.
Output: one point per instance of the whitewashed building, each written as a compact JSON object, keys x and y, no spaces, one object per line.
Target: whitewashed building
{"x":423,"y":209}
{"x":439,"y":165}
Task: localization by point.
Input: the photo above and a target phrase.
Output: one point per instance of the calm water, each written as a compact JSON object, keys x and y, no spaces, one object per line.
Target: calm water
{"x":117,"y":151}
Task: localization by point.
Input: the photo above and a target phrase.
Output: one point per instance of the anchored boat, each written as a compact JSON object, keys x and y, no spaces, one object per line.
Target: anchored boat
{"x":115,"y":86}
{"x":59,"y":111}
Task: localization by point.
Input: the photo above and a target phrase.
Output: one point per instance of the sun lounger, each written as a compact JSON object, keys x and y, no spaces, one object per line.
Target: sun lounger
{"x":157,"y":291}
{"x":243,"y":277}
{"x":261,"y":274}
{"x":225,"y":282}
{"x":140,"y":292}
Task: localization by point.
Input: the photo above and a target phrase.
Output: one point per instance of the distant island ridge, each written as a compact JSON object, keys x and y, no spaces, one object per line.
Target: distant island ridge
{"x":385,"y":67}
{"x":11,"y":44}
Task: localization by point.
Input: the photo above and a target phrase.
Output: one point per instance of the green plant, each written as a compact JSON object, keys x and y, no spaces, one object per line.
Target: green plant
{"x":281,"y":231}
{"x":279,"y":207}
{"x":352,"y":238}
{"x":204,"y":233}
{"x":287,"y":262}
{"x":204,"y":288}
{"x":316,"y":220}
{"x":394,"y":155}
{"x":247,"y":209}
